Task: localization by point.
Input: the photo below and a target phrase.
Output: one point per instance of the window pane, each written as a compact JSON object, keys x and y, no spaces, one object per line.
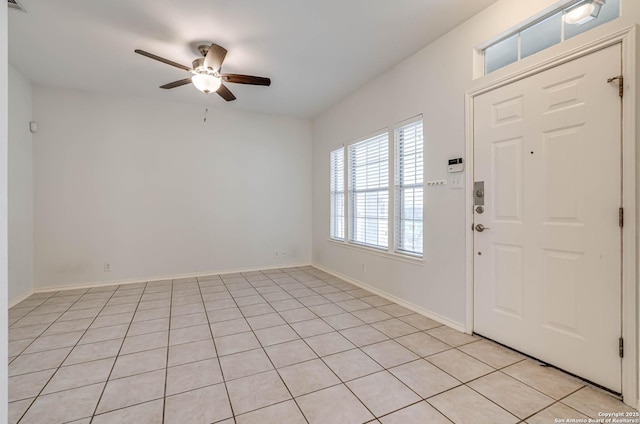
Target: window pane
{"x":369,"y":191}
{"x":337,"y":194}
{"x":409,"y":141}
{"x":501,"y":54}
{"x":370,"y":211}
{"x":541,"y":35}
{"x":609,"y":11}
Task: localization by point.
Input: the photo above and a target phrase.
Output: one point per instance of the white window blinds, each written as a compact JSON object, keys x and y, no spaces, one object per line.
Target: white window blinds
{"x":369,"y":191}
{"x":409,"y":187}
{"x":337,"y":194}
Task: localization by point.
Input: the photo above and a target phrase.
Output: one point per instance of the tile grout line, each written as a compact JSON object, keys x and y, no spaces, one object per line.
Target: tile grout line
{"x":313,"y":359}
{"x":290,"y":325}
{"x":500,"y":370}
{"x":215,"y":348}
{"x":31,"y":309}
{"x":95,"y":410}
{"x":261,"y":346}
{"x":423,"y":358}
{"x":263,"y":350}
{"x":421,"y":398}
{"x":344,"y":383}
{"x":147,"y":350}
{"x":462,"y":383}
{"x":559,"y":401}
{"x":71,"y":350}
{"x":48,"y":380}
{"x":486,"y":397}
{"x":341,"y":382}
{"x":494,"y":402}
{"x":269,"y":358}
{"x":383,"y":367}
{"x":330,"y":301}
{"x":48,"y":326}
{"x":42,"y":300}
{"x":80,"y":345}
{"x":166,"y":364}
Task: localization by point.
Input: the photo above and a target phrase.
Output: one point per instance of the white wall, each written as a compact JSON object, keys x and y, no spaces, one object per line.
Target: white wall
{"x":20,"y":187}
{"x":155,"y":191}
{"x":433,"y":82}
{"x":4,"y":134}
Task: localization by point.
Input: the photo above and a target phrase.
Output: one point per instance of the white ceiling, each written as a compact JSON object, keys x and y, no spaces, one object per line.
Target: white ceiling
{"x":315,"y":51}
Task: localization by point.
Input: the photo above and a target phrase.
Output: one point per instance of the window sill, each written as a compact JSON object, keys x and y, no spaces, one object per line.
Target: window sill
{"x":415,"y":260}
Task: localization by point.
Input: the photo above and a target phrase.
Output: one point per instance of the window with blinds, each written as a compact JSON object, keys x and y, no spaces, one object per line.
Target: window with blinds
{"x":368,"y":169}
{"x":337,"y":194}
{"x":409,"y":188}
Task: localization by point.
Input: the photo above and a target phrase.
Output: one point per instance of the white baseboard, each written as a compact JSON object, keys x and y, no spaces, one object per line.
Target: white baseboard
{"x":402,"y":302}
{"x":158,"y":278}
{"x":14,"y":302}
{"x":418,"y":309}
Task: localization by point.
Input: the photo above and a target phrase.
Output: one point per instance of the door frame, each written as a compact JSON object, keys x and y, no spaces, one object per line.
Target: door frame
{"x":630,"y":300}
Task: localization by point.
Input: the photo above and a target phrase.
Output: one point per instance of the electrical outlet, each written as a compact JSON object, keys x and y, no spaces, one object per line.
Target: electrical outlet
{"x":284,"y":253}
{"x":107,"y":266}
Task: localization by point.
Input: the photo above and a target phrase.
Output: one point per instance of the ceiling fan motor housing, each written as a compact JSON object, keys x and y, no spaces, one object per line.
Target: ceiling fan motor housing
{"x":200,"y":68}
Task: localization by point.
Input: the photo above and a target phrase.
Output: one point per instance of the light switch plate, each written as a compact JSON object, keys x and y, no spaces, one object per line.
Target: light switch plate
{"x":455,"y":181}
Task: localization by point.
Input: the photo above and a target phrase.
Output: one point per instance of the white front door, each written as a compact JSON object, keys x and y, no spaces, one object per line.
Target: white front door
{"x":547,"y":271}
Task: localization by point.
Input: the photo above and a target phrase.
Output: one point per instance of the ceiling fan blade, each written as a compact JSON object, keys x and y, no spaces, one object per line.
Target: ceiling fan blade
{"x":162,"y":59}
{"x":224,"y":92}
{"x":245,"y":79}
{"x":215,"y":56}
{"x":177,"y":83}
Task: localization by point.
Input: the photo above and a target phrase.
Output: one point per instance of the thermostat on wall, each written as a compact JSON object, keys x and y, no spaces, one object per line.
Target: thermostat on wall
{"x":456,"y":165}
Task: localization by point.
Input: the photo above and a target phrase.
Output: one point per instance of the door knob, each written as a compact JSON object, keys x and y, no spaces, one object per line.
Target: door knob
{"x":480,"y":228}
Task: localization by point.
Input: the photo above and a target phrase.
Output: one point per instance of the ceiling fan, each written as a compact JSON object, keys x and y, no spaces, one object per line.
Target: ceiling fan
{"x":206,"y":72}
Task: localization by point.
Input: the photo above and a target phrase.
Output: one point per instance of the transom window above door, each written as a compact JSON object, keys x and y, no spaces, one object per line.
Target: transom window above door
{"x":548,"y":30}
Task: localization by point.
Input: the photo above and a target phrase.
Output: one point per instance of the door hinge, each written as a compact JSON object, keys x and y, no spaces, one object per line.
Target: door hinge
{"x":621,"y":217}
{"x":620,"y":79}
{"x":621,"y":347}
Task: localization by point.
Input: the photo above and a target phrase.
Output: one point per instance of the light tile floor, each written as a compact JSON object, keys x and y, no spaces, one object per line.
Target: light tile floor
{"x":294,"y":345}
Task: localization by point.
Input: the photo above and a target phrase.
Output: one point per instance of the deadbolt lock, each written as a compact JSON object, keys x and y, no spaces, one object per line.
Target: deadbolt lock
{"x":478,"y":193}
{"x":480,"y":209}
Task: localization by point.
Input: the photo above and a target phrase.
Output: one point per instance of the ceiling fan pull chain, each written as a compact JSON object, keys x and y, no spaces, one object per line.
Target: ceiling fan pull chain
{"x":206,"y":110}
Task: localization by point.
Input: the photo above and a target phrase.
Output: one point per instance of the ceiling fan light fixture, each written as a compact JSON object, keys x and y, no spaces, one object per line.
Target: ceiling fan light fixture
{"x":584,"y":12}
{"x":206,"y":83}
